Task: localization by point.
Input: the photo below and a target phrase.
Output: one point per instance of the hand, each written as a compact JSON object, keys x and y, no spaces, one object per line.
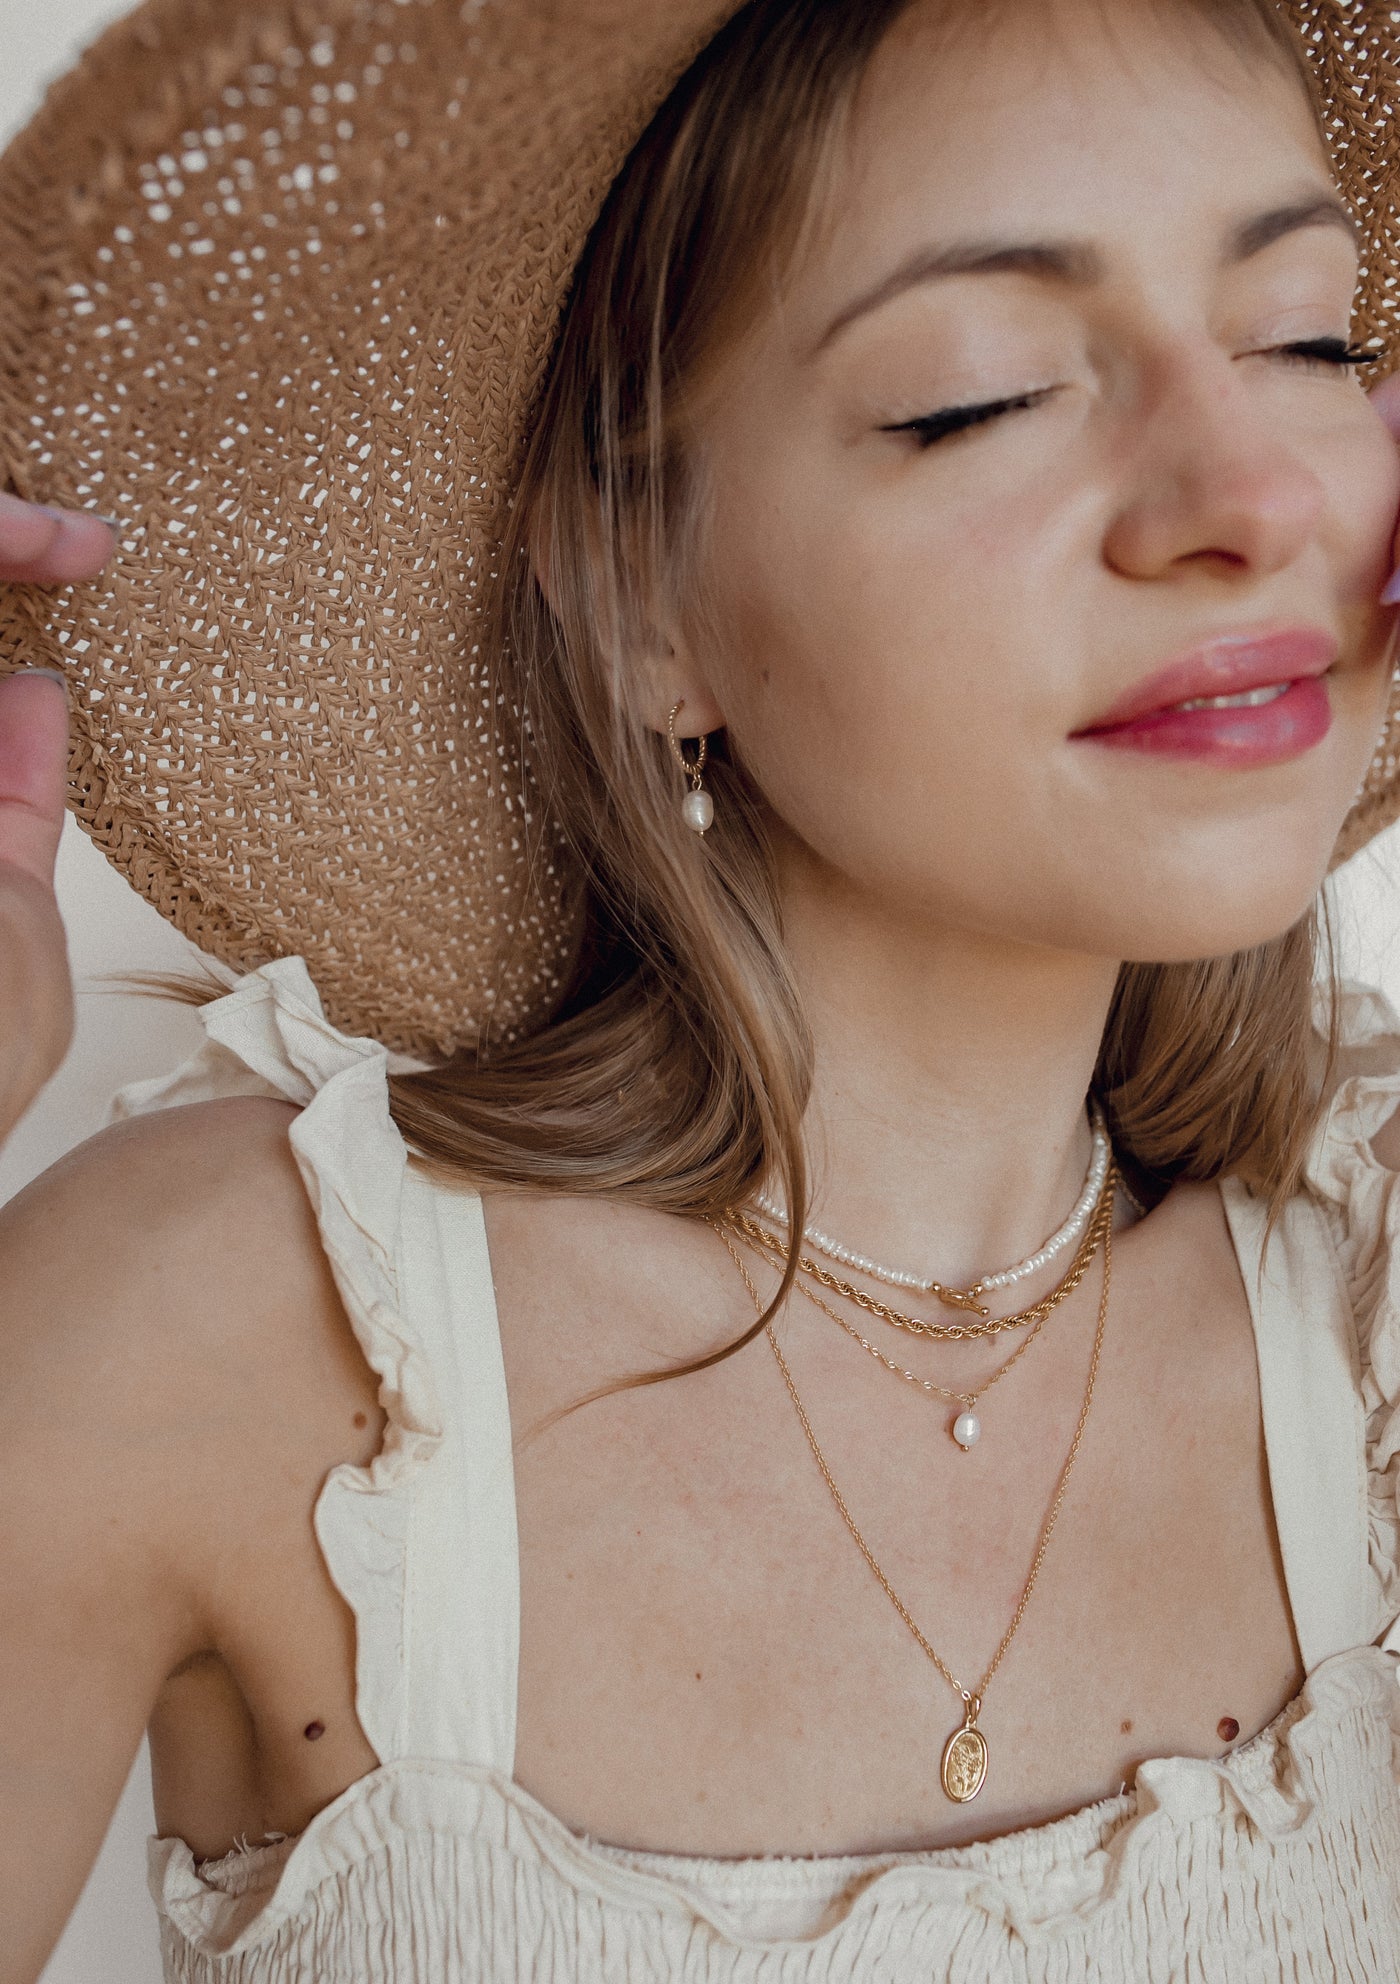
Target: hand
{"x":1385,"y":400}
{"x":36,"y":993}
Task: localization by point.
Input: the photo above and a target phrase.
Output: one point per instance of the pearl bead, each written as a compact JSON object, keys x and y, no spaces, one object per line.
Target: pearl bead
{"x":698,"y":811}
{"x":967,"y":1429}
{"x":1069,"y":1235}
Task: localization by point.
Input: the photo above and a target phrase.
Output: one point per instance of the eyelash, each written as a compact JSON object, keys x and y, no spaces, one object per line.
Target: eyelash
{"x":931,"y":428}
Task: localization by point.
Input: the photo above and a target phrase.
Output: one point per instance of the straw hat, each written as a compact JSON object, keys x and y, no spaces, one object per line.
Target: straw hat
{"x":278,"y":285}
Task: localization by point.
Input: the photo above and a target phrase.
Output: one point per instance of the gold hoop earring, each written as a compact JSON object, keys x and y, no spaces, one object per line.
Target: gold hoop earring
{"x":697,"y":808}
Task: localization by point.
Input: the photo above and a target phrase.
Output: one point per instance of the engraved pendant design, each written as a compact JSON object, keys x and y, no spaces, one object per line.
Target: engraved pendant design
{"x":965,"y":1759}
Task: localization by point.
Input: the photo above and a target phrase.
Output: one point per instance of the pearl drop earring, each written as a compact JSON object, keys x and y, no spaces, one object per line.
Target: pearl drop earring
{"x":697,"y":808}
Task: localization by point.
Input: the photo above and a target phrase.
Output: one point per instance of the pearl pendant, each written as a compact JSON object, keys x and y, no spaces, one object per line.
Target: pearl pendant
{"x":698,"y":811}
{"x":967,"y":1430}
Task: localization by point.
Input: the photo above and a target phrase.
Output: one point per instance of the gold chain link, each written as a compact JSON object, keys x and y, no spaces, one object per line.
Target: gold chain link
{"x":754,"y":1230}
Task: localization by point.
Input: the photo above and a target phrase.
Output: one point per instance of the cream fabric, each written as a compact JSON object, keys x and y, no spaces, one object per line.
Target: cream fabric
{"x":1280,"y":1861}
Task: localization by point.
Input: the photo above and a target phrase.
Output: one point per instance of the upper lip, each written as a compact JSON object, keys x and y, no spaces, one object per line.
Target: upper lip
{"x":1225,"y":665}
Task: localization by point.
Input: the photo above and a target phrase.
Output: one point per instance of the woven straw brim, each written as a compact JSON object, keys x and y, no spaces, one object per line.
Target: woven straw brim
{"x":278,"y":285}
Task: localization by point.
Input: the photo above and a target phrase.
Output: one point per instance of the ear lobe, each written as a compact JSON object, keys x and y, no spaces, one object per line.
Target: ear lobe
{"x":699,"y":715}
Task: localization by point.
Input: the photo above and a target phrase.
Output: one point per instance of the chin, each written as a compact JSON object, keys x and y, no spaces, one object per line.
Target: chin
{"x":1229,"y":905}
{"x":1202,"y":873}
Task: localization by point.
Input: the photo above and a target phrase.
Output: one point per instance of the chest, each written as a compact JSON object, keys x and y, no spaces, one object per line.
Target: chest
{"x":710,"y":1665}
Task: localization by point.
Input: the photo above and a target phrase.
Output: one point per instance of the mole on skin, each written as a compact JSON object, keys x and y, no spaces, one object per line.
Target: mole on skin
{"x":1127,"y":1726}
{"x":361,"y":1419}
{"x":1227,"y":1729}
{"x":314,"y":1731}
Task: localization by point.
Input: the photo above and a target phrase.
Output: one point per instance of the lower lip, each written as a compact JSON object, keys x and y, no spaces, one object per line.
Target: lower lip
{"x":1267,"y":734}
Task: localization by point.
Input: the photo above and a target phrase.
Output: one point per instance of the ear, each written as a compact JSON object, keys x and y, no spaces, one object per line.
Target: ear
{"x":666,"y":670}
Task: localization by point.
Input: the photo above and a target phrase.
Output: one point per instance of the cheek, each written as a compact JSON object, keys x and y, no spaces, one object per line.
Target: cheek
{"x":1360,"y":470}
{"x":877,"y":652}
{"x":1361,"y":473}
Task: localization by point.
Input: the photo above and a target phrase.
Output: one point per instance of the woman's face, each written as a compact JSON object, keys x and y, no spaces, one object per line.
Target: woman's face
{"x":953,"y":652}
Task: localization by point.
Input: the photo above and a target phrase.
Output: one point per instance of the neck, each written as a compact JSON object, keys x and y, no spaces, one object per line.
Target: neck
{"x":947,"y":1130}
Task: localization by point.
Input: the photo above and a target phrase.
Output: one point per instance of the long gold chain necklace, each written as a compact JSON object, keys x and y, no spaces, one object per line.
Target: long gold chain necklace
{"x":963,"y":1771}
{"x":966,"y":1429}
{"x":754,"y":1230}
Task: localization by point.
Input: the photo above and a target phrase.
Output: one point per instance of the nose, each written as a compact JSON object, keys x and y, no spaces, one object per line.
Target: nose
{"x":1212,"y":487}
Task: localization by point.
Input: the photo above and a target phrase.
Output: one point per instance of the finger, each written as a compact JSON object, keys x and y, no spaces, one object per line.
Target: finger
{"x":33,"y":772}
{"x":40,"y":546}
{"x":1386,"y":402}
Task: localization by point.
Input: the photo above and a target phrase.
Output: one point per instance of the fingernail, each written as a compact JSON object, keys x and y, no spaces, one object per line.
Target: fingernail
{"x":118,"y":524}
{"x":1390,"y":592}
{"x":49,"y":675}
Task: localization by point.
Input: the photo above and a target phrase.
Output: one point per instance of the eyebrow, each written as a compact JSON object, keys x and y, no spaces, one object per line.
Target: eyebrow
{"x":1075,"y":264}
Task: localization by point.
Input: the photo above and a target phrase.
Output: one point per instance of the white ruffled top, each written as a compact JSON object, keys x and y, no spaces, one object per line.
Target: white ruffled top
{"x":1279,"y":1861}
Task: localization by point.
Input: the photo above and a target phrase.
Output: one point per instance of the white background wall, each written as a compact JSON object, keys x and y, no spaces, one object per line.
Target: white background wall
{"x":111,"y":1938}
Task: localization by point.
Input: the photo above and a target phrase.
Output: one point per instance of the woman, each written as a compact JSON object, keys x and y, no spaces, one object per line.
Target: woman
{"x":953,"y":428}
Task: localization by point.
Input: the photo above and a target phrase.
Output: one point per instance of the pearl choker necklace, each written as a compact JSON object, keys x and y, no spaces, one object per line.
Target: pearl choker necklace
{"x":1068,"y":1235}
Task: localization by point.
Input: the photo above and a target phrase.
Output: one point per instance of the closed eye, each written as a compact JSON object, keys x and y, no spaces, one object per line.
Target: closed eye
{"x":929,"y":428}
{"x":1326,"y":352}
{"x":932,"y":427}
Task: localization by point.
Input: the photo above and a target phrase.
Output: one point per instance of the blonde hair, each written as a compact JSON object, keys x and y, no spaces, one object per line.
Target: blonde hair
{"x":677,"y":1067}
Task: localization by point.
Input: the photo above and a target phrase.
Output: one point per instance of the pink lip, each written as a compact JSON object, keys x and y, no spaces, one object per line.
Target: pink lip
{"x":1146,"y":719}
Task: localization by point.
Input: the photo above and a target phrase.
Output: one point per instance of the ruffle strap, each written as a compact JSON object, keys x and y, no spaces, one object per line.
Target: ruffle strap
{"x":270,"y":1036}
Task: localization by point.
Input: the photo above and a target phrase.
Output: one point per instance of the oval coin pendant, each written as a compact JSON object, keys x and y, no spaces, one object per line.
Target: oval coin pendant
{"x":964,"y":1763}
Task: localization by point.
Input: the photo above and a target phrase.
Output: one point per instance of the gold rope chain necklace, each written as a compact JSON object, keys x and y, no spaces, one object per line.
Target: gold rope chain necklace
{"x":966,"y":1429}
{"x":753,"y":1229}
{"x":965,"y":1755}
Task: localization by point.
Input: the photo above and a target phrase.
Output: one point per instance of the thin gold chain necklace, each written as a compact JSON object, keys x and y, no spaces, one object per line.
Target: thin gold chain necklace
{"x":753,"y":1229}
{"x":966,"y":1429}
{"x":963,"y":1771}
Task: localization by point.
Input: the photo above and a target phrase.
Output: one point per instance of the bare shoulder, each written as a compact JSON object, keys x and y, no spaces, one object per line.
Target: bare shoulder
{"x":165,"y":1281}
{"x":169,"y":1276}
{"x":167,"y":1228}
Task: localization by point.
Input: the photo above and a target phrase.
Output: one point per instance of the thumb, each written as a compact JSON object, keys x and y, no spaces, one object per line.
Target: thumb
{"x":33,"y":771}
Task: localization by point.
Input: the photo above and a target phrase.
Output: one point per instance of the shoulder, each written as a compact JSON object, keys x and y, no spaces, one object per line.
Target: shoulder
{"x":159,"y":1208}
{"x":165,"y":1282}
{"x":197,"y":1229}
